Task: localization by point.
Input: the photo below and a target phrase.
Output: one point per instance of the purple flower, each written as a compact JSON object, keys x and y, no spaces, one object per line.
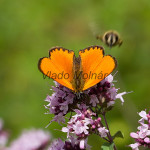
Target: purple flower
{"x":94,"y":100}
{"x":82,"y":106}
{"x":142,"y":136}
{"x":87,"y":105}
{"x":105,"y":93}
{"x":31,"y":140}
{"x":147,"y":140}
{"x":83,"y":124}
{"x":144,"y":116}
{"x":57,"y":145}
{"x":81,"y":127}
{"x":70,"y":144}
{"x":135,"y":146}
{"x":79,"y":124}
{"x":59,"y":101}
{"x":119,"y":96}
{"x":103,"y":131}
{"x":59,"y":118}
{"x":63,"y":100}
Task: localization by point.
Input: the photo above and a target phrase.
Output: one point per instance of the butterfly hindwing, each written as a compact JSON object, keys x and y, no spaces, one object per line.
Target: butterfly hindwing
{"x":59,"y":62}
{"x":95,"y":65}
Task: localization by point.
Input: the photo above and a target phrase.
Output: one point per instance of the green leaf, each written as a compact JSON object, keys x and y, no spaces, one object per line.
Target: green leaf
{"x":108,"y":146}
{"x":118,"y":134}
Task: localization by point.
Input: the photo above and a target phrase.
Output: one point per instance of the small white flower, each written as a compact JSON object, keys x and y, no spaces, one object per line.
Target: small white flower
{"x":103,"y":131}
{"x":109,"y":78}
{"x":59,"y":118}
{"x":64,"y":108}
{"x":135,"y":146}
{"x":110,"y":103}
{"x":94,"y":100}
{"x":143,"y":115}
{"x":57,"y":145}
{"x":134,"y":135}
{"x":147,"y":140}
{"x":80,"y":127}
{"x":143,"y":127}
{"x":120,"y":96}
{"x":82,"y":144}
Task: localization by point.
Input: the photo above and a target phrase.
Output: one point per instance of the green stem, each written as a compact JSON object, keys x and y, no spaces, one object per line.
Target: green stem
{"x":109,"y":135}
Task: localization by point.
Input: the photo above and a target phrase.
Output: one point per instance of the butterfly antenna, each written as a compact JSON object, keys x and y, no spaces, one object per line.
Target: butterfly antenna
{"x":115,"y":73}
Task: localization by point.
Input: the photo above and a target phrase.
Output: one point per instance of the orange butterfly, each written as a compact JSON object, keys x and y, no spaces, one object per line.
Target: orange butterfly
{"x":77,"y":73}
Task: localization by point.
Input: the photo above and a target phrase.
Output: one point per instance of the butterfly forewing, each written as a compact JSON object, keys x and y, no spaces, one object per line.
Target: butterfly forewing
{"x":95,"y":65}
{"x":59,"y":66}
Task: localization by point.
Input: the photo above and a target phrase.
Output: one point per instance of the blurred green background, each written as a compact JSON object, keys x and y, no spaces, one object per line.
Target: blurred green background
{"x":28,"y":29}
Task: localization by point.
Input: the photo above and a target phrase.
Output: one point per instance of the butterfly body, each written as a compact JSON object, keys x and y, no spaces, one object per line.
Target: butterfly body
{"x":80,"y":73}
{"x":77,"y":80}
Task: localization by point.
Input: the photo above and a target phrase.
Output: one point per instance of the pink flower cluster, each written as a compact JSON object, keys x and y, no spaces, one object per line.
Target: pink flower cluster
{"x":142,"y":136}
{"x":64,"y":100}
{"x":31,"y":140}
{"x":82,"y":124}
{"x":59,"y":102}
{"x":88,"y":105}
{"x":104,"y":93}
{"x":70,"y":144}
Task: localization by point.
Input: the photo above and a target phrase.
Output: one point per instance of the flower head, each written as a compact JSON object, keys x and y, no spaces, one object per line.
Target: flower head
{"x":63,"y":100}
{"x":103,"y":131}
{"x":57,"y":145}
{"x":31,"y":140}
{"x":142,"y":136}
{"x":83,"y":124}
{"x":87,"y":105}
{"x":72,"y":143}
{"x":79,"y":124}
{"x":58,"y":102}
{"x":104,"y":93}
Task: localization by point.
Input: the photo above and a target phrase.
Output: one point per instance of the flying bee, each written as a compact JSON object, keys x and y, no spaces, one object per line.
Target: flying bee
{"x":111,"y":38}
